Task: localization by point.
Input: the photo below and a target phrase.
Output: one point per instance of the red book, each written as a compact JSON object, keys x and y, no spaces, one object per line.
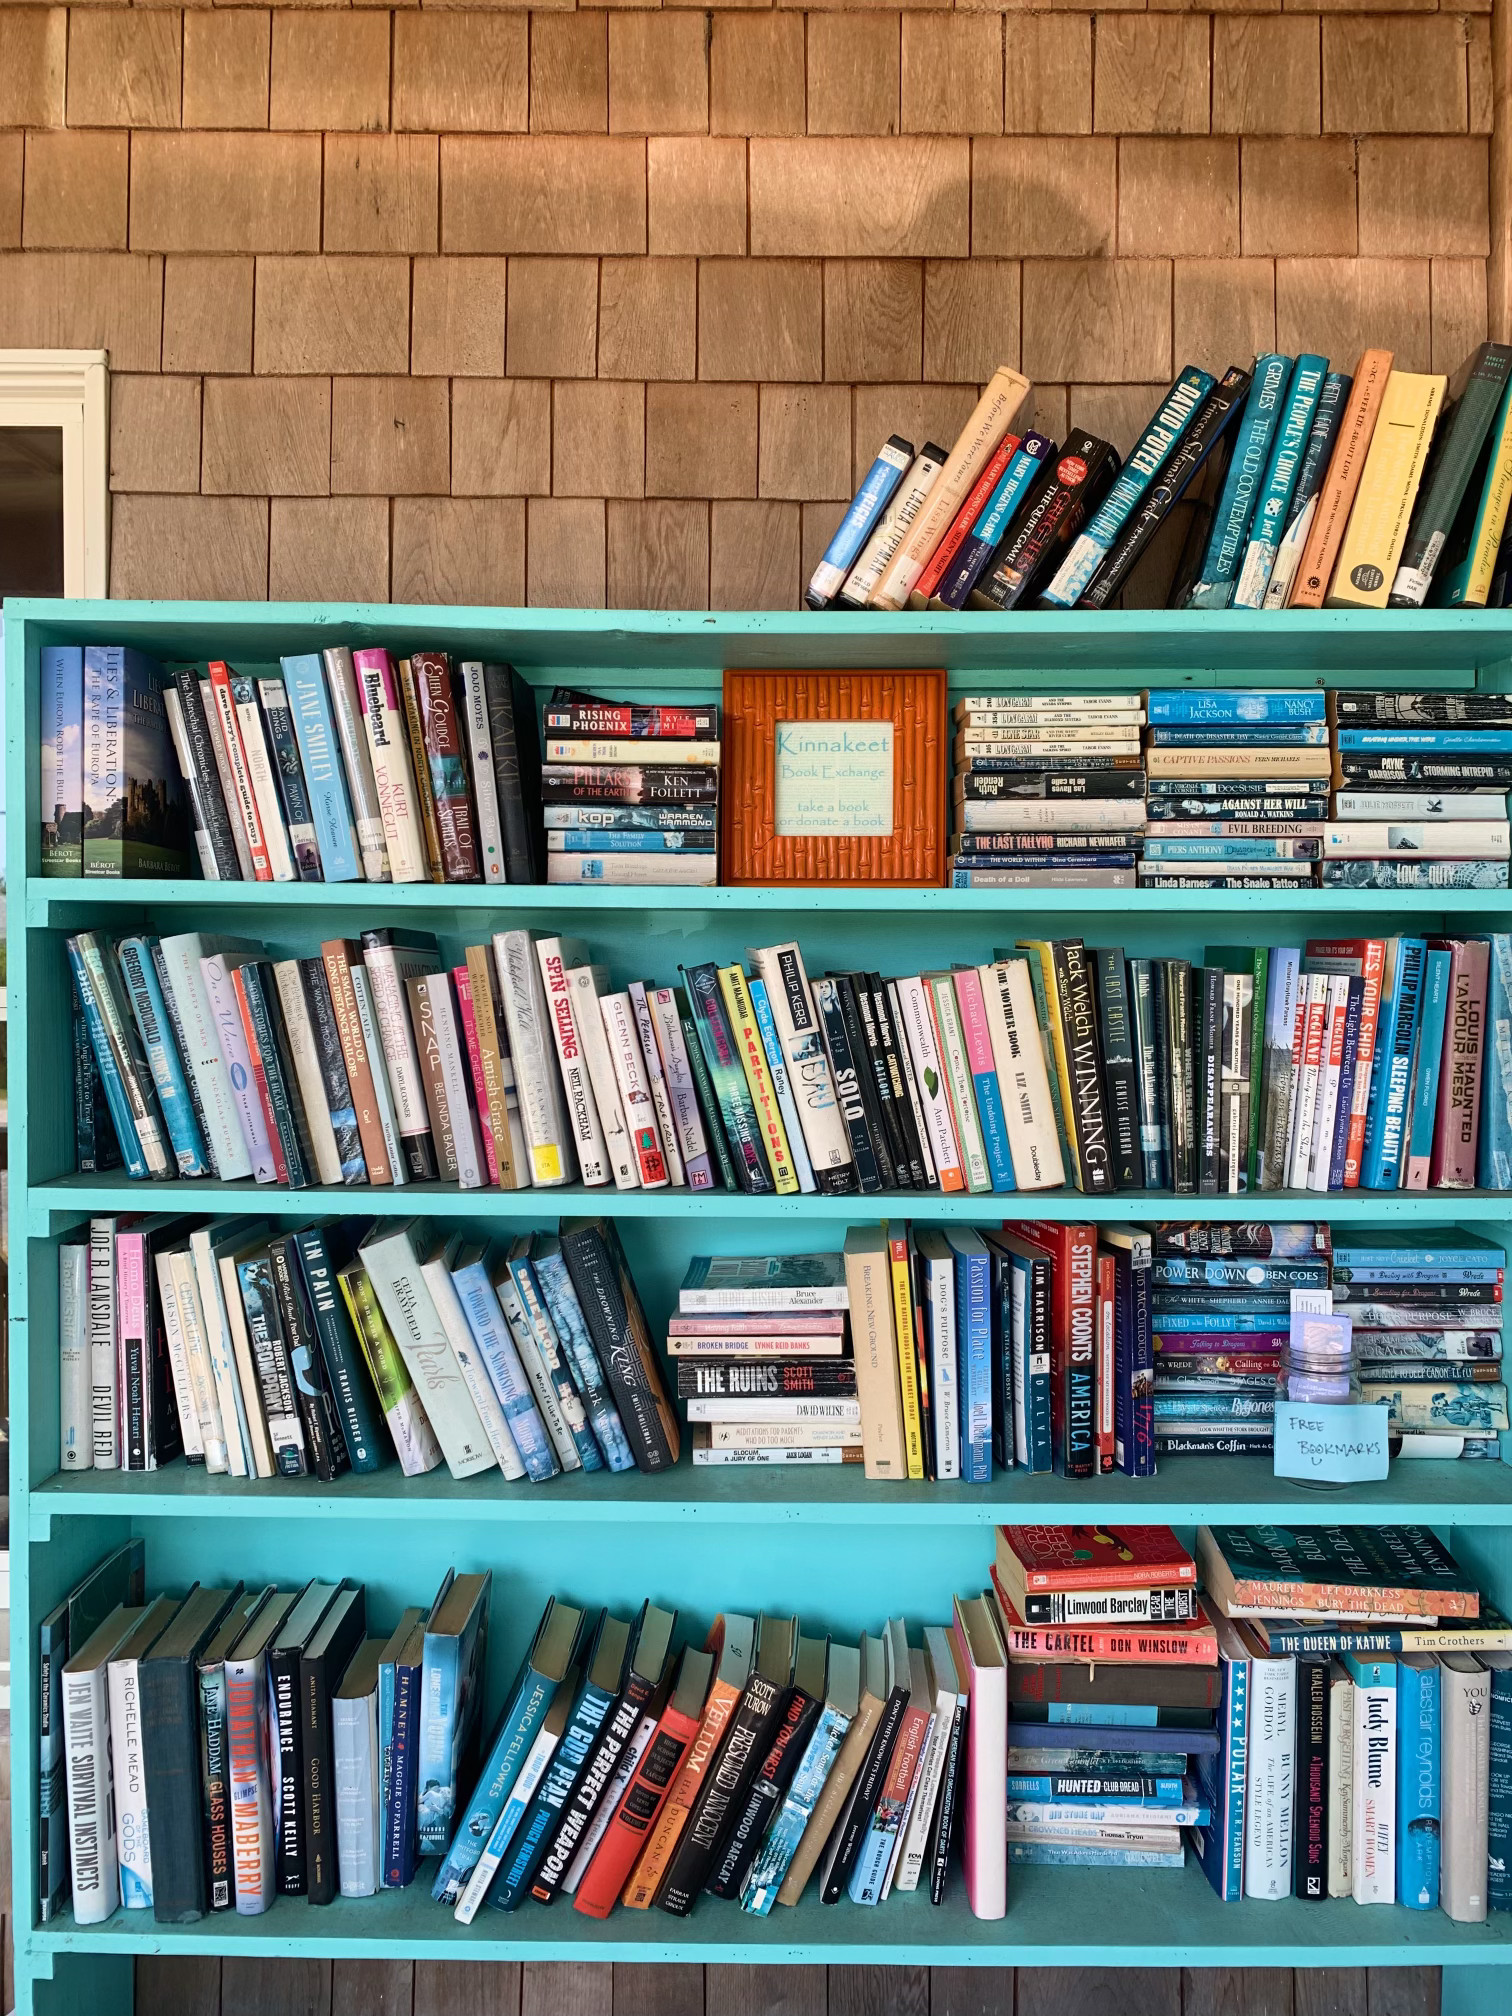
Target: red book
{"x":462,"y":980}
{"x":1456,"y":1126}
{"x":965,"y":518}
{"x":1099,"y":1557}
{"x":1073,"y":1340}
{"x":1103,"y":1644}
{"x":244,"y":802}
{"x":1107,"y":1375}
{"x":254,"y":1052}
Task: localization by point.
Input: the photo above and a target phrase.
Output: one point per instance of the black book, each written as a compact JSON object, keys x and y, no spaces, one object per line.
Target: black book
{"x":952,"y":1793}
{"x":323,"y":1250}
{"x":1143,"y":1012}
{"x":208,"y":796}
{"x":1310,"y":1836}
{"x":1474,"y":398}
{"x":271,"y":1361}
{"x":333,"y":1070}
{"x":1064,"y":784}
{"x":286,"y":1736}
{"x":1207,"y":1008}
{"x":259,"y":988}
{"x":1380,"y":707}
{"x":1372,"y":771}
{"x":881,"y":1080}
{"x":1076,"y":995}
{"x":763,"y":1378}
{"x":168,"y":1685}
{"x":1202,"y":500}
{"x":648,"y":1650}
{"x":918,"y":1277}
{"x":797,"y":1713}
{"x":1036,"y":1328}
{"x":847,"y":1079}
{"x":620,"y":1335}
{"x":855,"y":1817}
{"x":867,"y":1081}
{"x":1178,"y":1073}
{"x":1054,"y":509}
{"x":215,"y":1748}
{"x":95,"y":1145}
{"x":161,"y":1436}
{"x":703,"y":1088}
{"x":721,"y":1794}
{"x":891,"y":1039}
{"x":514,"y":739}
{"x":1120,"y":1066}
{"x":318,"y":1417}
{"x":322,"y":1661}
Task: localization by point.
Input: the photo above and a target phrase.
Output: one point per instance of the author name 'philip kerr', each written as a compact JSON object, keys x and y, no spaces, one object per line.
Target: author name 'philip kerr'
{"x":834,"y":778}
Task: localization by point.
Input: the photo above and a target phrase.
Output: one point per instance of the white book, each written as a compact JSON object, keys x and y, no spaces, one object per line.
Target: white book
{"x":656,"y":1079}
{"x":1465,"y":1697}
{"x":219,"y":1348}
{"x":940,"y":1330}
{"x":682,"y":1091}
{"x":312,"y":1092}
{"x":530,"y":1047}
{"x":204,"y":1057}
{"x":204,"y":847}
{"x":104,"y":1379}
{"x":128,"y":1762}
{"x":388,"y":747}
{"x":956,"y":1069}
{"x":910,"y":1080}
{"x":1270,"y":1776}
{"x":1340,"y":1781}
{"x":227,"y":778}
{"x":75,"y":1428}
{"x":1023,"y":1080}
{"x":1320,"y":1155}
{"x":241,"y":800}
{"x":249,"y":718}
{"x":1374,"y":1823}
{"x":555,"y":956}
{"x":532,"y":1771}
{"x":216,"y":969}
{"x":354,"y":1759}
{"x":1455,"y":839}
{"x":921,"y":1695}
{"x":635,"y":871}
{"x":201,"y":1371}
{"x":436,"y":1272}
{"x":944,"y":1691}
{"x":432,"y":1364}
{"x":178,"y":1359}
{"x":1420,"y":807}
{"x":923,"y":1044}
{"x":585,"y":981}
{"x":539,"y":1379}
{"x":1053,"y":815}
{"x":485,"y":788}
{"x":390,"y":965}
{"x":93,"y":1867}
{"x":1312,"y":1003}
{"x":238,"y":1241}
{"x":357,"y":761}
{"x":467,"y":1141}
{"x":635,"y":1094}
{"x":782,"y":971}
{"x":383,"y":1095}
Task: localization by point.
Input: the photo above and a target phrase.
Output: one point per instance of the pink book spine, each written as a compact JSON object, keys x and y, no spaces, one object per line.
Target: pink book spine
{"x":1372,"y":968}
{"x":984,"y":1842}
{"x":132,"y":1351}
{"x":968,"y":987}
{"x":1456,"y":1127}
{"x":463,"y":985}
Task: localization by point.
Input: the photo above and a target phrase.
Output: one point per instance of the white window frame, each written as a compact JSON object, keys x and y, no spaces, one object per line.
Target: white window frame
{"x":70,"y":389}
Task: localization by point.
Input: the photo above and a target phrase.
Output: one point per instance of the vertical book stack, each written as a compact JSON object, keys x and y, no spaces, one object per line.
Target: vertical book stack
{"x":1420,"y":784}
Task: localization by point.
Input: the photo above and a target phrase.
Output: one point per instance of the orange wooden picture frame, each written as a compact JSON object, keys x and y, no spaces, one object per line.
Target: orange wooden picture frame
{"x":913,"y":855}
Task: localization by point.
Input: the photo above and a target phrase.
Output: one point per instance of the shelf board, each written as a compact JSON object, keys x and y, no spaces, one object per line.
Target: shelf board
{"x":1188,"y":1490}
{"x":1068,"y":1917}
{"x":444,"y":1200}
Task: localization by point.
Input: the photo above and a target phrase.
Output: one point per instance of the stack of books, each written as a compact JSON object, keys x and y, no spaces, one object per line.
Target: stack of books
{"x":1108,"y":1650}
{"x":1242,"y":779}
{"x":348,"y":766}
{"x":1427,"y":1315}
{"x":1049,"y":791}
{"x":1420,"y":784}
{"x":1221,"y":1322}
{"x":1366,"y":1685}
{"x":763,"y":1360}
{"x":263,"y":1350}
{"x":631,"y":792}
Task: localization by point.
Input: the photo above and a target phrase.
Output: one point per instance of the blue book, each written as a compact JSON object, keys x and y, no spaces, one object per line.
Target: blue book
{"x":1241,"y":488}
{"x":1166,"y":1322}
{"x":761,"y":1008}
{"x":1031,"y":1370}
{"x":530,"y":1695}
{"x":1499,"y":1821}
{"x":775,"y":1855}
{"x":134,"y":1161}
{"x":979,"y":545}
{"x":330,"y":805}
{"x":399,"y":1844}
{"x":1074,"y":1855}
{"x":973,"y":1292}
{"x":1263,"y":735}
{"x":1494,"y":1149}
{"x":451,"y":1697}
{"x":1391,"y":1077}
{"x":151,"y":1016}
{"x":1220,"y":1782}
{"x":566,"y":1312}
{"x":549,"y":1344}
{"x":634,"y":840}
{"x":1427,"y":741}
{"x":1423,"y":1104}
{"x":1418,"y":1808}
{"x":860,"y":521}
{"x":1349,"y":1065}
{"x":1221,"y":850}
{"x":1280,"y":481}
{"x":62,"y":759}
{"x":1146,"y":460}
{"x":501,"y":1361}
{"x":1046,"y":1790}
{"x":1234,"y":706}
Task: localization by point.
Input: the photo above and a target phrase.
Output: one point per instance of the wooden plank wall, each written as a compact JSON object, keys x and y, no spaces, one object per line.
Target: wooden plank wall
{"x":466,"y":1988}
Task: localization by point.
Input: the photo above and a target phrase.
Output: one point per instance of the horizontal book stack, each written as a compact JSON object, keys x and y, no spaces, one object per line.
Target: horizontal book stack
{"x":631,"y":792}
{"x":1427,"y":1316}
{"x":268,"y":1743}
{"x":1238,"y":788}
{"x":1049,"y":791}
{"x":763,"y":1361}
{"x":1111,"y":1676}
{"x":347,"y":766}
{"x":1365,"y":1688}
{"x":1221,"y":1322}
{"x":263,"y":1350}
{"x":1420,"y":783}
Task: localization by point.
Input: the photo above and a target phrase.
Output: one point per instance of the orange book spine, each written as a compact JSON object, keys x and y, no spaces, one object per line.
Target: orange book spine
{"x":645,"y":1881}
{"x":1342,"y":481}
{"x":636,"y":1814}
{"x":1107,"y":1644}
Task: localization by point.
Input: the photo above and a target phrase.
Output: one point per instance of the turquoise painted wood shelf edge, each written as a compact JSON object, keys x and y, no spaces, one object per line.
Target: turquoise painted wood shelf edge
{"x":58,"y":1526}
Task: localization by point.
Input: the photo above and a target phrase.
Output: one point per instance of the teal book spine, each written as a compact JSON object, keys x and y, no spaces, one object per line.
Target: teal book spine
{"x":736,"y":1109}
{"x":1493,"y":1170}
{"x":440,"y":1707}
{"x":1499,"y":1824}
{"x":703,"y":1087}
{"x":121,"y":1113}
{"x":1241,"y":489}
{"x":1280,"y":482}
{"x":1392,"y":1074}
{"x":775,"y":1855}
{"x":558,"y":1371}
{"x":529,"y":1700}
{"x":324,"y":777}
{"x":537,"y":1829}
{"x":566,"y":1312}
{"x":1418,"y":1797}
{"x":163,"y":1061}
{"x":973,"y":1291}
{"x":1426,"y":1070}
{"x":501,"y":1361}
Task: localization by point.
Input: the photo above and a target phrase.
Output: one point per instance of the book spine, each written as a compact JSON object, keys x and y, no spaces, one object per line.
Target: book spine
{"x":388,"y":748}
{"x":629,"y":1062}
{"x":1310,"y":1849}
{"x":1078,"y":1015}
{"x":752,"y":1054}
{"x":982,"y":1065}
{"x":219,"y":1880}
{"x":404,"y":1412}
{"x":891,"y":530}
{"x":442,"y":733}
{"x":656,"y":1082}
{"x":330,"y":1059}
{"x":357,"y":762}
{"x":325,"y":783}
{"x":980,"y":546}
{"x":275,"y":1371}
{"x":485,"y":790}
{"x":400,"y":1846}
{"x":1457,"y":1126}
{"x":536,"y":1076}
{"x":252,"y":725}
{"x":198,"y":760}
{"x":257,"y":987}
{"x":245,"y":806}
{"x":338,"y":961}
{"x":228,"y":1064}
{"x":617,"y":1328}
{"x":123,"y":1063}
{"x":483,"y":1079}
{"x":288,"y":774}
{"x":432,"y":1364}
{"x":162,"y":1055}
{"x":1499,"y":1791}
{"x":1418,"y":1805}
{"x":93,"y":1868}
{"x":1374,"y":1822}
{"x":682,"y":1091}
{"x":249,"y":1786}
{"x":620,"y":1151}
{"x":353,"y":1728}
{"x":960,"y":1089}
{"x":1270,"y":1778}
{"x":63,"y":736}
{"x":974,"y":1328}
{"x":862,"y":518}
{"x":1231,"y":521}
{"x":425,"y":797}
{"x":1273,"y":501}
{"x":512,"y":732}
{"x":475,"y":1373}
{"x":737,"y":1112}
{"x":922,"y":1036}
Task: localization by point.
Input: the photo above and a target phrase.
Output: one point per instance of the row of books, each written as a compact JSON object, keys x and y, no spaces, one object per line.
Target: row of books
{"x":216,"y":1751}
{"x":261,"y":1350}
{"x":1321,"y":489}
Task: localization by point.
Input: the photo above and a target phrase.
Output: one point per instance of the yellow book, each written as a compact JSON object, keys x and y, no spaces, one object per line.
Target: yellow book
{"x":867,"y":1271}
{"x":1377,"y":528}
{"x":747,"y":1032}
{"x":1047,"y":1000}
{"x":908,"y":1357}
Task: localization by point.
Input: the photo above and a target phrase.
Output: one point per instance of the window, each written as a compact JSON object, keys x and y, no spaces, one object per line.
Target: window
{"x":54,"y":491}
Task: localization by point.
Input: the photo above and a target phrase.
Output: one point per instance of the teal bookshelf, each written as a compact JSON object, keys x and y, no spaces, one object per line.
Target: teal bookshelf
{"x":824,"y":1544}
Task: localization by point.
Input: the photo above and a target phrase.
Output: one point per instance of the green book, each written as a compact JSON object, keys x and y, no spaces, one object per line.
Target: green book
{"x":1475,"y":394}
